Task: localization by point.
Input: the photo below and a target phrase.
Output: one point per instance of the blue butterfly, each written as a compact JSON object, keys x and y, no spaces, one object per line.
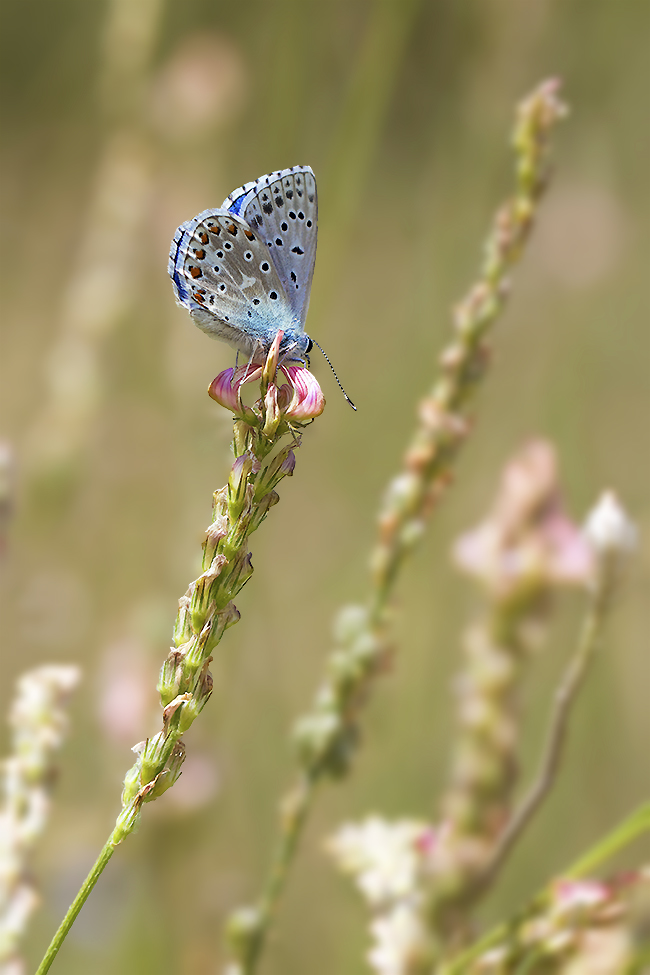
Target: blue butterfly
{"x":244,"y":271}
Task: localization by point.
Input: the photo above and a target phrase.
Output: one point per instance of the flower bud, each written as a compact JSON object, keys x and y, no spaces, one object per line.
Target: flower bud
{"x":216,"y":626}
{"x":127,"y":821}
{"x":261,"y":510}
{"x":243,"y":930}
{"x":315,"y":734}
{"x":609,"y":530}
{"x":204,"y":685}
{"x":168,"y":714}
{"x":324,"y":739}
{"x":238,"y":484}
{"x":272,"y":412}
{"x":131,"y":785}
{"x":239,"y":572}
{"x":202,"y":595}
{"x":183,"y":625}
{"x":351,"y":622}
{"x":171,"y":675}
{"x":282,"y":465}
{"x":271,"y":364}
{"x":214,"y":534}
{"x":166,"y":779}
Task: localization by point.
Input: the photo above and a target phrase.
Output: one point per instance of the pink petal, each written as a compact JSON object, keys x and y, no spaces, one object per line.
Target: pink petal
{"x":308,"y":400}
{"x":225,"y":388}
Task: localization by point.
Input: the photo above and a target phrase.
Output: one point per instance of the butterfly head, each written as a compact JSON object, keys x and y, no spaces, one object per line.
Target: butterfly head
{"x":295,"y":346}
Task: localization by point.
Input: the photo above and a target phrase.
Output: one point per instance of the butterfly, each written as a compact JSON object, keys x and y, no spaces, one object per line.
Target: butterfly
{"x":244,"y":270}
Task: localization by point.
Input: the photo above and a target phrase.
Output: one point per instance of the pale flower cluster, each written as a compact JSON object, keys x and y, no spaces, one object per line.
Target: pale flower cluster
{"x":401,"y":941}
{"x":389,"y":863}
{"x":38,"y":724}
{"x":583,"y":931}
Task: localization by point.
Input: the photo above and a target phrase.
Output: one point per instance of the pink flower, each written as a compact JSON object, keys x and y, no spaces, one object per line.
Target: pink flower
{"x":300,"y":399}
{"x":528,"y":537}
{"x":304,"y":395}
{"x":226,"y":387}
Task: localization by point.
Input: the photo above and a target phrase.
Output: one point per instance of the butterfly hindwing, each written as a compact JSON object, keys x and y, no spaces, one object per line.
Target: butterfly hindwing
{"x":224,"y":274}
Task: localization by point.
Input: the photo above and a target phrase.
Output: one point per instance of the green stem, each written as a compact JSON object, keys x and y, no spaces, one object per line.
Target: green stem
{"x":621,"y":836}
{"x":298,"y":806}
{"x":284,"y":855}
{"x":79,"y":901}
{"x":564,"y":699}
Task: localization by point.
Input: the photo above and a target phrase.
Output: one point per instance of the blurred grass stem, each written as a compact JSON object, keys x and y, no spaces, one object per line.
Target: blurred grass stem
{"x":366,"y":104}
{"x":102,"y":284}
{"x":564,"y":699}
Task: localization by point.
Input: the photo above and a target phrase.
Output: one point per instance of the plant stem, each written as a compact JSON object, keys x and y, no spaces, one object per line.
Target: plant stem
{"x":79,"y":901}
{"x":565,"y":696}
{"x":635,"y":825}
{"x":294,"y":814}
{"x":207,"y":609}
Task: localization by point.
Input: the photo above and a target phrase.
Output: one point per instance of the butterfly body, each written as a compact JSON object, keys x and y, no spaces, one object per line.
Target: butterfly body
{"x":244,"y":270}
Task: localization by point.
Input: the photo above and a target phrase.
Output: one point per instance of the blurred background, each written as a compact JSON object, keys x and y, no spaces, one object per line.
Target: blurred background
{"x":123,"y":118}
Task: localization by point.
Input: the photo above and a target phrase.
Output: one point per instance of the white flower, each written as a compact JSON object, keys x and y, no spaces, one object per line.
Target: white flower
{"x":38,"y":723}
{"x":608,"y":528}
{"x":401,"y":942}
{"x":386,"y":860}
{"x":493,"y":962}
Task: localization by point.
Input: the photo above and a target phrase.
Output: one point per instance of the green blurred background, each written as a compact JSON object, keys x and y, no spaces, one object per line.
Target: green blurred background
{"x":125,"y":117}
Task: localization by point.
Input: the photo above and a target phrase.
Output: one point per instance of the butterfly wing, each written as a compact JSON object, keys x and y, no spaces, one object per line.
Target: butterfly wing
{"x":282,"y":208}
{"x":223,"y":273}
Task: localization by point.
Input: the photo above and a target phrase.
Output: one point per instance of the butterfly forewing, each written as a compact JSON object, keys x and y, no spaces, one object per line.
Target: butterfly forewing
{"x":224,"y":273}
{"x":282,"y":208}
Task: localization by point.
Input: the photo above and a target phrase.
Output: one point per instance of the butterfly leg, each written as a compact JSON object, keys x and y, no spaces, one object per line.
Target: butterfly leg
{"x":248,"y":364}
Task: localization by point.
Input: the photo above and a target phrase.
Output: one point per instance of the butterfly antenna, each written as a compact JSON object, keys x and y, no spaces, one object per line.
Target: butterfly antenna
{"x":335,"y":376}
